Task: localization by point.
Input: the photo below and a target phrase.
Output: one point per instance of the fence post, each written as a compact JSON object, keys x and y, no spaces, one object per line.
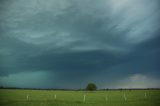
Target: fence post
{"x":55,"y":96}
{"x":125,"y":98}
{"x":106,"y":97}
{"x":145,"y":95}
{"x":27,"y":97}
{"x":84,"y":98}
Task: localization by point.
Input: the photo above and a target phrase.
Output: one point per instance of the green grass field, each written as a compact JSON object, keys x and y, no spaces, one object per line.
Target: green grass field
{"x":76,"y":98}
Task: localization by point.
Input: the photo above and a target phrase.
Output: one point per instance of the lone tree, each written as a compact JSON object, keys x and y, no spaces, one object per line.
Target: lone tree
{"x":91,"y":87}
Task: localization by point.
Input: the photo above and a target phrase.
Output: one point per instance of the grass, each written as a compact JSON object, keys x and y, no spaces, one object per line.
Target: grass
{"x":75,"y":98}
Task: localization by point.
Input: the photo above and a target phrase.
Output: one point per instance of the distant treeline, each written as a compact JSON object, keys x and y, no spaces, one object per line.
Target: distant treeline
{"x":130,"y":89}
{"x":79,"y":89}
{"x":40,"y":88}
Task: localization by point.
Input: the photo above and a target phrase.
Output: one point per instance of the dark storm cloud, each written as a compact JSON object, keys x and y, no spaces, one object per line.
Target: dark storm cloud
{"x":85,"y":40}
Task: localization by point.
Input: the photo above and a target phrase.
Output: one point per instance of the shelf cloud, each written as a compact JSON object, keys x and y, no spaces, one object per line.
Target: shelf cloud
{"x":68,"y":43}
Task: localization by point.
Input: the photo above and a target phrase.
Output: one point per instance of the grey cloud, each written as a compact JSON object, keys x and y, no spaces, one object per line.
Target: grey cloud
{"x":79,"y":39}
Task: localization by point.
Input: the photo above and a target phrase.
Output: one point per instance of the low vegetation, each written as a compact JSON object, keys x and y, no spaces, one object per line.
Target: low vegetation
{"x":10,"y":97}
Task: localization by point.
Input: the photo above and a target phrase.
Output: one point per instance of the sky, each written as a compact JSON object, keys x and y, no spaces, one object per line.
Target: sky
{"x":70,"y":43}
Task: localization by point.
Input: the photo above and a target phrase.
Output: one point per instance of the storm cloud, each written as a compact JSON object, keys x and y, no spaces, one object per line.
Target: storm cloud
{"x":68,"y":43}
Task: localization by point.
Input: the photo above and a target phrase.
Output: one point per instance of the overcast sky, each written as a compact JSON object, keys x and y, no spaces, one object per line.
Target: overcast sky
{"x":69,"y":43}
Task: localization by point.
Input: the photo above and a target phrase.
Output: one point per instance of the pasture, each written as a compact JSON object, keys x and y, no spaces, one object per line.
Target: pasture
{"x":10,"y":97}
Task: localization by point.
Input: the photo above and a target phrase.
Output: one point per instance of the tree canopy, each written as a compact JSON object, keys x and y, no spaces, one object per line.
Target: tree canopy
{"x":91,"y":87}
